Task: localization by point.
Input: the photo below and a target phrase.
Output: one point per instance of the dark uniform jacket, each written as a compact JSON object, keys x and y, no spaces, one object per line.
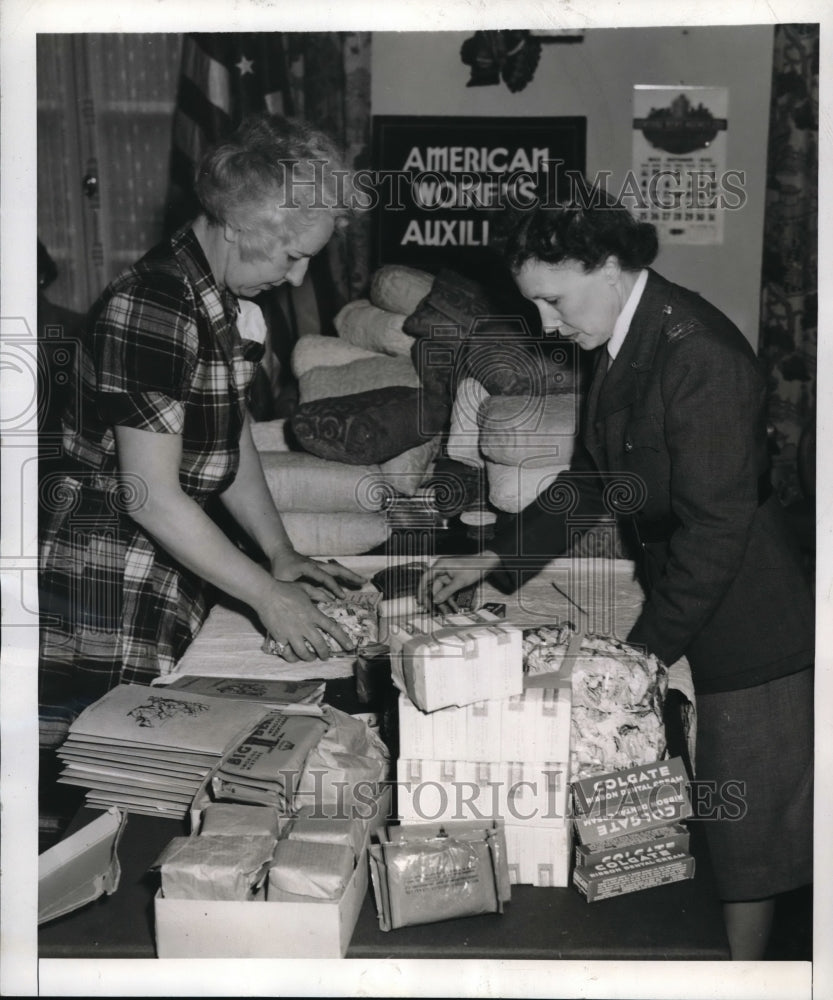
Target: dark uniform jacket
{"x":675,"y":445}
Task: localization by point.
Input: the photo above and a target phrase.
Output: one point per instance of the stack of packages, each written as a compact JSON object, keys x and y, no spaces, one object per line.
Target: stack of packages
{"x":284,"y":818}
{"x":479,"y":740}
{"x":284,"y":826}
{"x":628,"y":803}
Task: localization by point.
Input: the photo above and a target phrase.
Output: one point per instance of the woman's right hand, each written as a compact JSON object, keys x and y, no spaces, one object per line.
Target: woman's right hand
{"x":291,"y":618}
{"x":452,"y":573}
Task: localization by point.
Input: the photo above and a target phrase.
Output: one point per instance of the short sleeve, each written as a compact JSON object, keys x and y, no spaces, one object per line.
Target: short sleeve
{"x":145,"y":349}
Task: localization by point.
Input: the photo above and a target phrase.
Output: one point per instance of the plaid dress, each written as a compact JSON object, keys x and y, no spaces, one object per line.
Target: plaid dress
{"x":161,"y":353}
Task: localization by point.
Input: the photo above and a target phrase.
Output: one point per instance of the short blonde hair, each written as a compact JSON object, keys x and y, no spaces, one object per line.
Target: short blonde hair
{"x":269,"y":178}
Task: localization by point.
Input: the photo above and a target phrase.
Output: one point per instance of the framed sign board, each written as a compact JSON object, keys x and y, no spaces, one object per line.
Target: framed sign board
{"x":442,"y":181}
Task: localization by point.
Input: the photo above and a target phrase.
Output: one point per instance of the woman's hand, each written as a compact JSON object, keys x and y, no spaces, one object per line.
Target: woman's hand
{"x":453,"y":573}
{"x":291,"y":618}
{"x":319,"y":580}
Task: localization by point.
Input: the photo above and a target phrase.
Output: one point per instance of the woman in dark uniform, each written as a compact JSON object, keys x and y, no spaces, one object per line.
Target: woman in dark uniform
{"x":677,"y":407}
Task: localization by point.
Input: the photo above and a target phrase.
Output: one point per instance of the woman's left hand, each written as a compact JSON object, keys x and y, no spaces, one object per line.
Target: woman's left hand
{"x":318,"y":579}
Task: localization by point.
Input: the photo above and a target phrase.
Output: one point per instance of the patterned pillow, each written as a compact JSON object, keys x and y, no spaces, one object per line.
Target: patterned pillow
{"x":370,"y":427}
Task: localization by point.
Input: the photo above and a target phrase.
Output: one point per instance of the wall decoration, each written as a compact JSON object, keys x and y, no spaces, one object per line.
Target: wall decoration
{"x":511,"y":56}
{"x":679,"y":180}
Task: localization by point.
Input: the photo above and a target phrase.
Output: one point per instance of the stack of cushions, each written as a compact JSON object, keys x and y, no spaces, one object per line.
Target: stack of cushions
{"x":362,"y":423}
{"x":515,"y":414}
{"x":375,"y":402}
{"x":363,"y":409}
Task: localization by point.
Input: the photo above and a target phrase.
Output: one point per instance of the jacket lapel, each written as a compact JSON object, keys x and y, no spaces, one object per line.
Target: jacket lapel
{"x":621,"y":387}
{"x":618,"y":387}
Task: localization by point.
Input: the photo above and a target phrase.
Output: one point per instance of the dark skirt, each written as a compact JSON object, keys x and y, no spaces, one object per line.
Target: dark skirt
{"x":754,"y":786}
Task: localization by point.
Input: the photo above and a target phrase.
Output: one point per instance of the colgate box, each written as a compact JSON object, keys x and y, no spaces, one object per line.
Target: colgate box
{"x":669,"y":838}
{"x":439,"y":665}
{"x":606,"y":806}
{"x":615,"y":878}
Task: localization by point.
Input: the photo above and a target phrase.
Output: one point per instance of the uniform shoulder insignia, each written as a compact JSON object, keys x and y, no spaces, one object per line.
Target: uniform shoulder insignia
{"x":683,"y":329}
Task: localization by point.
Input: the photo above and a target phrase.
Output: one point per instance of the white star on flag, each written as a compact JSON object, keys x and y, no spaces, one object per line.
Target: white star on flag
{"x":245,"y":66}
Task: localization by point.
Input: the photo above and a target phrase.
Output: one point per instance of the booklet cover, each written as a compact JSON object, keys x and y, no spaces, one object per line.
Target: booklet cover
{"x":165,"y":718}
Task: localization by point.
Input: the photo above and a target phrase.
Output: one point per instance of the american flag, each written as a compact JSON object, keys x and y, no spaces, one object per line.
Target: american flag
{"x":224,"y":77}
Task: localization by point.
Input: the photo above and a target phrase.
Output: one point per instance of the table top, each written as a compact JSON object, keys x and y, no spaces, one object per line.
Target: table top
{"x":678,"y":921}
{"x":230,"y":639}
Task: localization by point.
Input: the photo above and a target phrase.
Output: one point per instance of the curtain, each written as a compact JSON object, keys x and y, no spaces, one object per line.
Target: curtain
{"x":790,"y":265}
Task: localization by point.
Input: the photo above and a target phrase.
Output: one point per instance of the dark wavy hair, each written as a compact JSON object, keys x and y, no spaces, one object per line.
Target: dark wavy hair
{"x":269,"y":178}
{"x":588,"y":233}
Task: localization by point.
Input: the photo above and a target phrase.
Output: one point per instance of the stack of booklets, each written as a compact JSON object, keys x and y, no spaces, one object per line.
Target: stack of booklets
{"x":630,"y":831}
{"x":148,"y":750}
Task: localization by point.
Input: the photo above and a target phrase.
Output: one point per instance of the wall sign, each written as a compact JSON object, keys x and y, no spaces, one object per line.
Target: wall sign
{"x":441,"y":180}
{"x":681,"y":183}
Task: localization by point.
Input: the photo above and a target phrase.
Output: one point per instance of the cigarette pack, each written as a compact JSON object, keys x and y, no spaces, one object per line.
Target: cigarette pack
{"x":533,"y":725}
{"x":440,"y":665}
{"x":539,"y":855}
{"x":514,"y":791}
{"x":635,"y":798}
{"x":633,"y":875}
{"x":673,"y":838}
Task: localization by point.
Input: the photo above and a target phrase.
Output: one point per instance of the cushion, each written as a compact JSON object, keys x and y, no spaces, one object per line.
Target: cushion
{"x":406,"y":472}
{"x":398,"y":288}
{"x":375,"y":372}
{"x":513,"y":487}
{"x":270,"y":435}
{"x":316,"y":352}
{"x":514,"y":428}
{"x":463,"y":442}
{"x":508,"y":362}
{"x":374,"y":329}
{"x":299,"y":481}
{"x":441,"y":324}
{"x":369,"y":427}
{"x":338,"y":534}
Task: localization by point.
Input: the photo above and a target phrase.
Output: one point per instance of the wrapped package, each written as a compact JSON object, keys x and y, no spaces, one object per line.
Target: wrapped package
{"x":425,"y":881}
{"x":346,"y":765}
{"x":215,"y":867}
{"x":618,"y":693}
{"x":266,"y":766}
{"x":231,"y":819}
{"x":313,"y":827}
{"x":356,"y":613}
{"x":460,"y":829}
{"x":307,"y":868}
{"x":439,"y":665}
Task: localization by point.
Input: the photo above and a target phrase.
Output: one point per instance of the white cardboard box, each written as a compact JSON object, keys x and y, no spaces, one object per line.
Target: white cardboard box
{"x":193,"y":928}
{"x":514,"y":791}
{"x":314,"y":928}
{"x":533,"y":725}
